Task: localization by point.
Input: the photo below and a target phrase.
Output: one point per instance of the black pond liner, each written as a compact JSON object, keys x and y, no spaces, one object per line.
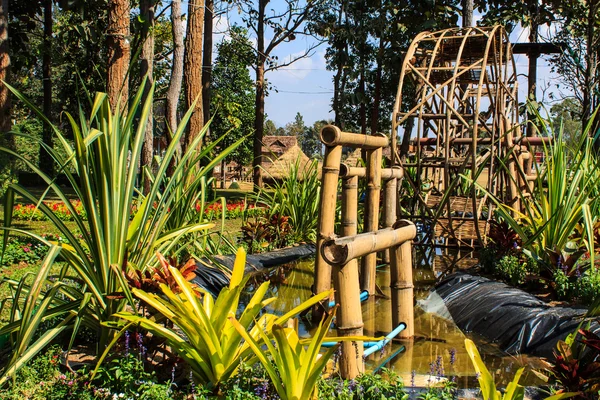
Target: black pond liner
{"x":213,"y":279}
{"x":515,"y":320}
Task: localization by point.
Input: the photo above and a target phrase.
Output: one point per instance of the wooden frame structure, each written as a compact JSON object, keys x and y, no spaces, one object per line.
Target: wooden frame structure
{"x":464,"y":115}
{"x":337,"y":257}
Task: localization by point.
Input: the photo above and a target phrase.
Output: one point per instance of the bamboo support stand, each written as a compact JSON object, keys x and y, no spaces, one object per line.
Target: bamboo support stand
{"x":326,"y":223}
{"x":346,"y":282}
{"x":371,"y":217}
{"x":402,"y":283}
{"x":338,"y":256}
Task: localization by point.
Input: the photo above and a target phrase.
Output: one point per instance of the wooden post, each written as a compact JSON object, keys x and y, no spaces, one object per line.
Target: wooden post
{"x":390,"y":190}
{"x":347,"y":289}
{"x":371,"y":217}
{"x":326,"y":223}
{"x":402,"y":285}
{"x":340,"y":251}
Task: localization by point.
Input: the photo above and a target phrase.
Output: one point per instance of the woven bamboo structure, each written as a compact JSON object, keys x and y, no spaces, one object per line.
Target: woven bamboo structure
{"x":463,"y":121}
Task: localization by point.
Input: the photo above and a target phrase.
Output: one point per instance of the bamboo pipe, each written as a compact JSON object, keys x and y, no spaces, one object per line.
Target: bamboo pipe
{"x":371,"y":216}
{"x":390,"y":190}
{"x":402,"y":284}
{"x":347,"y":289}
{"x":347,"y":171}
{"x":339,"y":251}
{"x":333,"y":136}
{"x":326,"y":222}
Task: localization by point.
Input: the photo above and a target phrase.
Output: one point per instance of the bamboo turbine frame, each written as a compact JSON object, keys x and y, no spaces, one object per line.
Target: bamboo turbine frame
{"x":464,"y":124}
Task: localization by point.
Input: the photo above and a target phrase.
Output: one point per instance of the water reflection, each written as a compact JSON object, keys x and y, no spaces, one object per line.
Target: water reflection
{"x":438,"y":346}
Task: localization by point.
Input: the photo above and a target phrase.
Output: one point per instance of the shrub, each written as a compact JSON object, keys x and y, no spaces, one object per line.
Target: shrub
{"x":297,"y":198}
{"x":101,"y":168}
{"x":515,"y":269}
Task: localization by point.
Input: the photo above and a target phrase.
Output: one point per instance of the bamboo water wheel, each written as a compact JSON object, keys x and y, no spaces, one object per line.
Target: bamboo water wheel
{"x":461,"y":122}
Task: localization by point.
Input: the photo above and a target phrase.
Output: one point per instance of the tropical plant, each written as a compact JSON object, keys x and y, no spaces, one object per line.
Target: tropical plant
{"x":101,"y":167}
{"x":577,"y":364}
{"x":205,"y":336}
{"x":513,"y":391}
{"x":296,"y":196}
{"x":563,"y":197}
{"x":297,"y":369}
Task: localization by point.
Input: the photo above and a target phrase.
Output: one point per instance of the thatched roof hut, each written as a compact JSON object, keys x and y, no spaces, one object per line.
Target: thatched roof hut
{"x":282,"y":166}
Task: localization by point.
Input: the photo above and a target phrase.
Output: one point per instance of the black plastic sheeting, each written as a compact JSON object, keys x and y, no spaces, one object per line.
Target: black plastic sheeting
{"x":517,"y":321}
{"x":213,"y":279}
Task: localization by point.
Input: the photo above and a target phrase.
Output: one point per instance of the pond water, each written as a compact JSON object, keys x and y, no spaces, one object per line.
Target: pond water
{"x":438,"y":347}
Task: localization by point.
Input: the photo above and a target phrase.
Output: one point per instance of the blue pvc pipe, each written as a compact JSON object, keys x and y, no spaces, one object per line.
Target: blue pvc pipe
{"x":381,"y":344}
{"x":389,"y":358}
{"x":372,"y":347}
{"x":364,"y":295}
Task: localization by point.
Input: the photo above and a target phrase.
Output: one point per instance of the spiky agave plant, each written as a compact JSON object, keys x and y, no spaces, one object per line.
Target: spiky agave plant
{"x":102,"y":167}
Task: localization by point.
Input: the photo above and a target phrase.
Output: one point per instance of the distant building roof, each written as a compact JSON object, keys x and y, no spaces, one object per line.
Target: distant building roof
{"x":277,"y":145}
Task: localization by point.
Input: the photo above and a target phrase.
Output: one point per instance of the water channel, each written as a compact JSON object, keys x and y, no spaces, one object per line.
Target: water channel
{"x":438,"y":347}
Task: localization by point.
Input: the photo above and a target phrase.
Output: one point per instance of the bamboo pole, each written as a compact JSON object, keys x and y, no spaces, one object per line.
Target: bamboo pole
{"x":347,"y":289}
{"x":333,"y":136}
{"x":346,"y":171}
{"x":390,"y":190}
{"x":371,"y":215}
{"x":402,"y":284}
{"x":340,"y":251}
{"x":326,"y":223}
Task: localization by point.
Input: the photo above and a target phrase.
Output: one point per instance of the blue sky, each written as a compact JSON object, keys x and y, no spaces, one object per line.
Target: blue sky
{"x":307,"y":87}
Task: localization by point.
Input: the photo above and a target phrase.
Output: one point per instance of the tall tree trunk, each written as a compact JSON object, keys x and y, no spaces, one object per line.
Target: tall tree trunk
{"x":46,"y":163}
{"x":119,"y":53}
{"x":337,"y":106}
{"x":5,"y":122}
{"x":533,"y":57}
{"x":6,"y":138}
{"x":174,"y":89}
{"x":467,"y":13}
{"x":192,"y":70}
{"x":259,"y":112}
{"x":146,"y":71}
{"x":590,"y":61}
{"x":207,"y":58}
{"x":377,"y":89}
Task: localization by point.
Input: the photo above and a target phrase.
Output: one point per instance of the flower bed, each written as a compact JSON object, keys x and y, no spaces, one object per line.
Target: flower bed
{"x":30,"y":212}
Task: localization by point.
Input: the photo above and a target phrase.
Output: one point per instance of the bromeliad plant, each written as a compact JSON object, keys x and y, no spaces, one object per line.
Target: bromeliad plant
{"x":206,"y":336}
{"x":101,"y":166}
{"x":298,"y":369}
{"x":487,"y":385}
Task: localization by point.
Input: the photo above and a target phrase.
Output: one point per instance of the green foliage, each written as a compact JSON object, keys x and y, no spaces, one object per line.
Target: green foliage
{"x":43,"y":379}
{"x":98,"y":166}
{"x":310,"y":140}
{"x":387,"y":385}
{"x":126,"y":374}
{"x":18,"y":251}
{"x":205,"y":336}
{"x":297,"y":198}
{"x":560,"y":213}
{"x":515,"y":269}
{"x":514,"y":391}
{"x":233,"y":94}
{"x":294,"y":370}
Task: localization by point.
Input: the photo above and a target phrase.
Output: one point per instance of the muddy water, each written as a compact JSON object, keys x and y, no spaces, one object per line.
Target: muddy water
{"x":438,"y":347}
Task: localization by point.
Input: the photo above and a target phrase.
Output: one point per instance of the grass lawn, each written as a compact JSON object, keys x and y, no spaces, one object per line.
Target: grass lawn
{"x":230,"y":228}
